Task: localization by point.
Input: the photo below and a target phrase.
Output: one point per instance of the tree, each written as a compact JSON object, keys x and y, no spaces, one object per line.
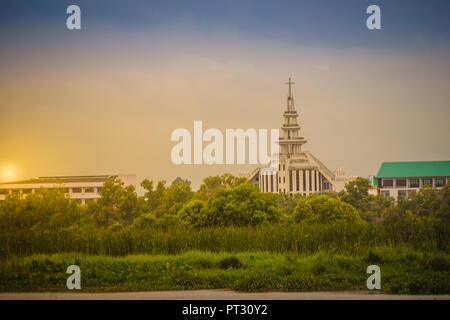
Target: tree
{"x":356,"y":192}
{"x":193,"y":213}
{"x":303,"y":210}
{"x":444,"y":209}
{"x":287,"y":203}
{"x":117,"y":204}
{"x":427,"y":202}
{"x":153,"y":198}
{"x":43,"y":209}
{"x":375,"y":206}
{"x":212,"y":184}
{"x":241,"y":205}
{"x":175,"y":197}
{"x":324,"y":209}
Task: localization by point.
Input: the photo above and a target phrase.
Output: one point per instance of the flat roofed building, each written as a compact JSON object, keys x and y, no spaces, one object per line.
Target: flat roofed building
{"x":396,"y":179}
{"x":81,"y":188}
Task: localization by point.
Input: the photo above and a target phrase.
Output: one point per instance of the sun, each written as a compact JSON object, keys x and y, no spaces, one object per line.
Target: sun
{"x":9,"y":172}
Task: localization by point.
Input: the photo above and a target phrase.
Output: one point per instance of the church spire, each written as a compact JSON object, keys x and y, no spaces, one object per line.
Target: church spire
{"x":290,"y":98}
{"x":290,"y":139}
{"x":290,"y":83}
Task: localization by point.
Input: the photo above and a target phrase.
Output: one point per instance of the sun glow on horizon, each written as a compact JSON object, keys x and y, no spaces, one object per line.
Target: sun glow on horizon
{"x":9,"y":172}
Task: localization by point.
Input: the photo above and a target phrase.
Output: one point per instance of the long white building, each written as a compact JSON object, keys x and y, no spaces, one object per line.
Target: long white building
{"x":80,"y":188}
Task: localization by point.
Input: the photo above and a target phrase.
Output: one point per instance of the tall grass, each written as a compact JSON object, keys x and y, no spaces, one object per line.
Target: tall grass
{"x":403,"y":271}
{"x":276,"y":238}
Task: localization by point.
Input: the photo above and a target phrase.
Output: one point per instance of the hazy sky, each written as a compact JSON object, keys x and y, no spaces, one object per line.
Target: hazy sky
{"x":106,"y":99}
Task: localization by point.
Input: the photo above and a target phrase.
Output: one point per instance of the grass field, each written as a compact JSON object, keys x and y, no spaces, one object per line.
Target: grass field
{"x":275,"y":238}
{"x":414,"y":257}
{"x":402,"y":271}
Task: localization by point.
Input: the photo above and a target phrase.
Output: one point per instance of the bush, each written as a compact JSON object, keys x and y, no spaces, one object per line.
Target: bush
{"x":373,"y":257}
{"x":192,"y":213}
{"x":231,"y":262}
{"x":145,"y":220}
{"x":242,"y":205}
{"x":439,"y":262}
{"x":324,"y":209}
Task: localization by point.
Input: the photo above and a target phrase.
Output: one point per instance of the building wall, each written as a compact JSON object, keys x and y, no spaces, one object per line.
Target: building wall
{"x":81,"y":191}
{"x":399,"y":188}
{"x":292,"y":180}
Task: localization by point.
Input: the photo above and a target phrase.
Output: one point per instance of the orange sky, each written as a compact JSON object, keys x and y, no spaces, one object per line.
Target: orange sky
{"x":110,"y":107}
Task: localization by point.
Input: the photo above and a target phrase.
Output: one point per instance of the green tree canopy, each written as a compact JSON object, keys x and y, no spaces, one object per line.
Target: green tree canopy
{"x":324,"y":209}
{"x":212,"y":184}
{"x":241,"y":205}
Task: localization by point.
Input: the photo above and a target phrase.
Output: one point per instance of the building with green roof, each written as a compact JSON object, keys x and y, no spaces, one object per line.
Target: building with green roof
{"x":396,"y":179}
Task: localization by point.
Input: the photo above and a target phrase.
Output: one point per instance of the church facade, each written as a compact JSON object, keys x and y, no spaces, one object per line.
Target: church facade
{"x":295,"y":171}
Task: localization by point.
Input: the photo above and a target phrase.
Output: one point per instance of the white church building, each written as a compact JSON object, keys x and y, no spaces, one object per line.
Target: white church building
{"x":297,"y":170}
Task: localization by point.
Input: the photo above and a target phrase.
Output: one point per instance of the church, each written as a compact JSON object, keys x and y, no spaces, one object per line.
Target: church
{"x":296,"y":170}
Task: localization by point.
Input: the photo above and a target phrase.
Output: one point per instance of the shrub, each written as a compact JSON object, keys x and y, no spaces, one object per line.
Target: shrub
{"x":324,"y":209}
{"x":373,"y":257}
{"x":192,"y":213}
{"x":242,"y":205}
{"x":439,"y":262}
{"x":231,"y":262}
{"x":145,"y":220}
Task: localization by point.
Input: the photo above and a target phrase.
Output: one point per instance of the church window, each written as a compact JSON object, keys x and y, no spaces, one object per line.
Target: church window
{"x":304,"y":180}
{"x":310,"y":181}
{"x":315,"y":180}
{"x":276,"y":179}
{"x":290,"y":180}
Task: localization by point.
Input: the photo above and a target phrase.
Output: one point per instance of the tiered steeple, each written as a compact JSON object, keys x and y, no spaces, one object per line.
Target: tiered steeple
{"x":290,"y":141}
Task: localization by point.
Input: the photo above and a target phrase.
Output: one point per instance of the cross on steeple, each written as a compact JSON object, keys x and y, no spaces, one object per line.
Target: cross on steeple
{"x":290,"y":83}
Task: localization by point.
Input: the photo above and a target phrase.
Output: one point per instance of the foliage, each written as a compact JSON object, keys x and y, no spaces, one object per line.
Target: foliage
{"x":221,"y":200}
{"x":324,"y":209}
{"x":118,"y":204}
{"x":164,"y":200}
{"x":193,"y":213}
{"x":403,"y":272}
{"x":212,"y":184}
{"x":370,"y":207}
{"x":242,"y":238}
{"x":242,"y":205}
{"x":287,"y":203}
{"x":44,"y":209}
{"x":170,"y":235}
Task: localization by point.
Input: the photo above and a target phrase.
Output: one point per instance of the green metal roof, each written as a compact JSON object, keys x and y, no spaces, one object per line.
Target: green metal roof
{"x":414,"y":169}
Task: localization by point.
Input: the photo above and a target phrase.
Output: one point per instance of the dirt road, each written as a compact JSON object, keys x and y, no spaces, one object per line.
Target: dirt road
{"x":216,"y":295}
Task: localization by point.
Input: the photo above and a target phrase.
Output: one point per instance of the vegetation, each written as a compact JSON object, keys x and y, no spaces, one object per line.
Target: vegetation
{"x":402,"y":271}
{"x":226,"y":235}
